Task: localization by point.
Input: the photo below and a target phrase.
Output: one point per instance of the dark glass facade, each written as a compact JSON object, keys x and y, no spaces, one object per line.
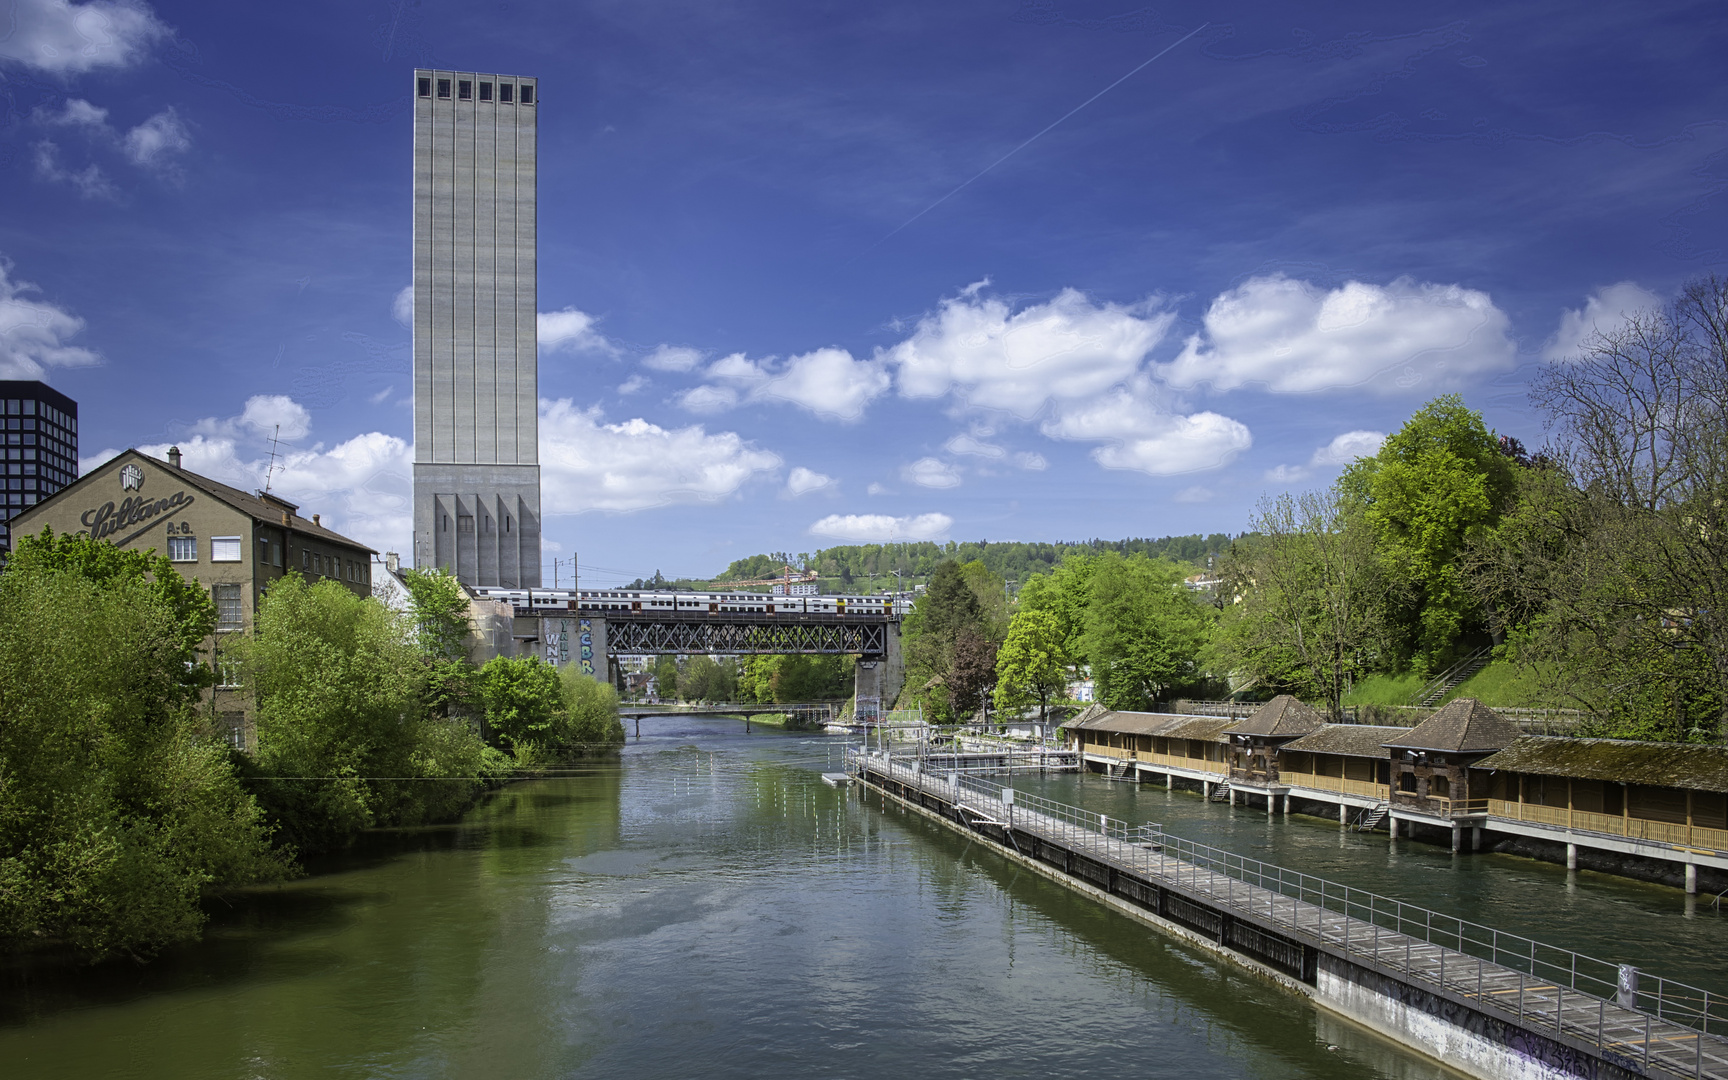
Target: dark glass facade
{"x":41,"y":447}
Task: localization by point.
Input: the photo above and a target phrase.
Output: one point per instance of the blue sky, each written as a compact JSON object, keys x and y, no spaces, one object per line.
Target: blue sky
{"x":803,"y":279}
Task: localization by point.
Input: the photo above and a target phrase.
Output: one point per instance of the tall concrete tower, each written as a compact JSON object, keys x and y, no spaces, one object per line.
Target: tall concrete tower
{"x":476,"y":374}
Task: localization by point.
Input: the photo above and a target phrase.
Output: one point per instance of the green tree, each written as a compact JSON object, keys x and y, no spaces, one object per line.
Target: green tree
{"x":440,"y":613}
{"x":950,"y":655}
{"x":1144,"y":631}
{"x":190,"y":611}
{"x":666,"y":677}
{"x":1438,"y":483}
{"x":344,"y":738}
{"x":118,"y":811}
{"x":1032,"y":665}
{"x":523,"y":699}
{"x":591,"y":720}
{"x":1311,"y":599}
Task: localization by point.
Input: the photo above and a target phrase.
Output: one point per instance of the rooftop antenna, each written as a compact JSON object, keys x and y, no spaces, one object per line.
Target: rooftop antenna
{"x":274,"y":435}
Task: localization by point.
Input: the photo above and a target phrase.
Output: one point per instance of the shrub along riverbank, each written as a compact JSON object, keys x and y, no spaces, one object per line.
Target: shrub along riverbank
{"x":122,"y":807}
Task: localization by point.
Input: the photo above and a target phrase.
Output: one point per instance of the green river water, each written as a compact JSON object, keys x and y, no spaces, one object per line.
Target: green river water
{"x":706,"y":906}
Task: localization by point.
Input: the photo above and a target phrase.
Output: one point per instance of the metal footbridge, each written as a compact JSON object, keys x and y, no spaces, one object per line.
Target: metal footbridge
{"x":1297,"y":923}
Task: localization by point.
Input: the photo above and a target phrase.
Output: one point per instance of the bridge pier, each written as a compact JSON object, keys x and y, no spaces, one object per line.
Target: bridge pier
{"x":877,"y":680}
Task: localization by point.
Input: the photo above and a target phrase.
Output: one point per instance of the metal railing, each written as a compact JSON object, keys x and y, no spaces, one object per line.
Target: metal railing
{"x":1615,"y":1007}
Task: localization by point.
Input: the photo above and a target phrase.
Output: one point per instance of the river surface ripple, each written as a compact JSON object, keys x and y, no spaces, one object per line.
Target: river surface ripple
{"x":708,"y":907}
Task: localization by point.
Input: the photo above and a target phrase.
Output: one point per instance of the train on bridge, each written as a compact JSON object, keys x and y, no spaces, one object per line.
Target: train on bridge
{"x":651,"y":602}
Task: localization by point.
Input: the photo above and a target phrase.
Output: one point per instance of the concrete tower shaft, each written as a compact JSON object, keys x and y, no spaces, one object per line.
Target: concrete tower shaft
{"x":476,"y":374}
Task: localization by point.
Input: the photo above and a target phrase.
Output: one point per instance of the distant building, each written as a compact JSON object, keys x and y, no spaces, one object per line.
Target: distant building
{"x":1082,"y":690}
{"x":795,"y":588}
{"x":233,"y":543}
{"x":41,"y":447}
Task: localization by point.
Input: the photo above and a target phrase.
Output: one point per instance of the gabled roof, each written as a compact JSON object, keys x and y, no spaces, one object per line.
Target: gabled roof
{"x":1348,"y":740}
{"x":1463,"y":725}
{"x":1282,"y":716}
{"x":1163,"y":725}
{"x":269,"y":512}
{"x":1699,"y":767}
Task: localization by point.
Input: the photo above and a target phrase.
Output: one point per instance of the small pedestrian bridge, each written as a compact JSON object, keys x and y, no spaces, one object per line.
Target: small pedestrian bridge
{"x":1493,"y":1004}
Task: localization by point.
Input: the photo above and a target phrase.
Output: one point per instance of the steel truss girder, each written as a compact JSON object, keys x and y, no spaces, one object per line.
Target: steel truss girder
{"x":631,"y":633}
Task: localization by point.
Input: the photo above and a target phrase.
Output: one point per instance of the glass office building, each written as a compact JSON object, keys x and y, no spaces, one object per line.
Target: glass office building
{"x":41,"y":437}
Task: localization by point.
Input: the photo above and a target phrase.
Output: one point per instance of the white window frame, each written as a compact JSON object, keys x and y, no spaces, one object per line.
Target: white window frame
{"x":226,"y":553}
{"x":173,"y":540}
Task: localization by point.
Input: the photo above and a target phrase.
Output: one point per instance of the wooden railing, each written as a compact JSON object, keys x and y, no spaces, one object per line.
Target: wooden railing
{"x":1660,"y":832}
{"x":1366,"y":788}
{"x":1438,"y":805}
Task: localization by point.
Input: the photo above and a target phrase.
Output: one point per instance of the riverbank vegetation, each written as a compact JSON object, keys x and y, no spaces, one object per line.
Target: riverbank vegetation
{"x":1596,"y":570}
{"x":123,"y":804}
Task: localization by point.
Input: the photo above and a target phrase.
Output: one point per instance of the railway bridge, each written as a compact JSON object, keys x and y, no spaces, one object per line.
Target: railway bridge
{"x":591,"y":628}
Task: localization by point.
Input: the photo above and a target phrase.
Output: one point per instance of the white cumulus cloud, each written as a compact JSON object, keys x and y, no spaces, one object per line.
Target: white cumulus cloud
{"x":967,"y":444}
{"x":90,"y":181}
{"x":402,"y":306}
{"x":1290,"y":336}
{"x":75,"y":113}
{"x":990,"y":356}
{"x":931,"y":473}
{"x":1143,"y":434}
{"x":1348,"y":447}
{"x":673,"y":358}
{"x":65,"y":38}
{"x":803,"y":481}
{"x":570,"y":330}
{"x":828,"y":382}
{"x":634,"y":384}
{"x":1031,"y":461}
{"x":882,"y":528}
{"x":1183,"y":444}
{"x":152,"y":144}
{"x":1604,"y":310}
{"x":34,"y":334}
{"x":587,"y":464}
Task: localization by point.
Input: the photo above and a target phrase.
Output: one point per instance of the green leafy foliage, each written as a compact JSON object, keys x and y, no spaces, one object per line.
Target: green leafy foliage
{"x":790,"y":678}
{"x":591,"y":719}
{"x":344,"y":738}
{"x":523,"y":699}
{"x":1437,"y":484}
{"x":950,"y":640}
{"x":1143,"y":631}
{"x":118,"y":811}
{"x":1032,"y":664}
{"x":441,"y":627}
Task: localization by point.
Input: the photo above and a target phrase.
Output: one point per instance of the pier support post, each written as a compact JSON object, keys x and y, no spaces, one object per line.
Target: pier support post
{"x":1343,"y":813}
{"x":1571,"y":856}
{"x":1457,"y":837}
{"x":1271,"y":803}
{"x":1475,"y":838}
{"x":1691,"y":878}
{"x":1169,"y":781}
{"x":1392,"y":827}
{"x":1205,"y":790}
{"x":1286,"y":804}
{"x":1232,"y":796}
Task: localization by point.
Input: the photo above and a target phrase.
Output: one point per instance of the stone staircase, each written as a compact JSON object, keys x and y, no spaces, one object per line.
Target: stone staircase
{"x":1452,"y":678}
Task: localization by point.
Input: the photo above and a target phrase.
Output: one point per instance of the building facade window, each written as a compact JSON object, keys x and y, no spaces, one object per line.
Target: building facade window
{"x":464,"y":89}
{"x":425,"y":87}
{"x":443,"y":88}
{"x":485,"y":91}
{"x":506,"y":93}
{"x":225,"y":549}
{"x":183,"y":549}
{"x":527,"y":95}
{"x":228,"y":613}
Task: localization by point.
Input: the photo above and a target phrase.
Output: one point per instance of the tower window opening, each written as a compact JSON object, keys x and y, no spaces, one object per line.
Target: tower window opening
{"x":425,"y":87}
{"x":527,"y":95}
{"x":444,"y":88}
{"x":506,"y":93}
{"x":465,"y":90}
{"x":485,"y":91}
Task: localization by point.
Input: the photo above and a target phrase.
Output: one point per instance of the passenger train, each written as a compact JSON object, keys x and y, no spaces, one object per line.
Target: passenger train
{"x":710,"y":603}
